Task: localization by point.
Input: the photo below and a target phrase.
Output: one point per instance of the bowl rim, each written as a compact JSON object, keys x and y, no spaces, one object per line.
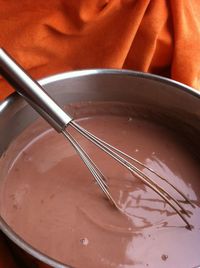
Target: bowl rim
{"x":88,"y":72}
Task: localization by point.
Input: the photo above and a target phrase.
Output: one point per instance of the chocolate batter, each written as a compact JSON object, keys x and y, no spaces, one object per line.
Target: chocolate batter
{"x":51,"y":200}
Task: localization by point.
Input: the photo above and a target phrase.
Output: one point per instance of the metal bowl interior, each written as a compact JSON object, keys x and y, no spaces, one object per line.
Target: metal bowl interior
{"x":163,"y":99}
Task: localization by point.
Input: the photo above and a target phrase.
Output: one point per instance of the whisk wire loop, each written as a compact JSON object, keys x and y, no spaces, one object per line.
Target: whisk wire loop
{"x":97,"y":174}
{"x":115,"y":153}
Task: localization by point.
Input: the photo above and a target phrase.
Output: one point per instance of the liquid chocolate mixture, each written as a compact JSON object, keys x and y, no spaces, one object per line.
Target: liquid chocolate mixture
{"x":51,"y":200}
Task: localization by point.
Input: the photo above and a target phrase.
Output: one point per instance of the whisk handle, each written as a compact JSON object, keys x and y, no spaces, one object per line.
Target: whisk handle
{"x":33,"y":92}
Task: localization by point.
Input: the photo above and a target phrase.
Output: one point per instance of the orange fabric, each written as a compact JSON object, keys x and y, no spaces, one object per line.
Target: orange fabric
{"x":157,"y":36}
{"x":47,"y":37}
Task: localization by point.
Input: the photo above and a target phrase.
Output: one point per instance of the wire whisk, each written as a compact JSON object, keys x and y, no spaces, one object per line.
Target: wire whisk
{"x":59,"y":120}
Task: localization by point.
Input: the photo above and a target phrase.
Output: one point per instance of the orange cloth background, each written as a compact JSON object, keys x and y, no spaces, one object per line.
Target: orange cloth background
{"x":47,"y":37}
{"x":157,"y":36}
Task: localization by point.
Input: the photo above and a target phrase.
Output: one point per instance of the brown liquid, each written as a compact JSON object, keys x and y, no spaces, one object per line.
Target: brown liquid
{"x":50,"y":199}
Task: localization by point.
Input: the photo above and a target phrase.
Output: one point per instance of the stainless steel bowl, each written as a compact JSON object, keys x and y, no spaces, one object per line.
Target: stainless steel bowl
{"x":171,"y":102}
